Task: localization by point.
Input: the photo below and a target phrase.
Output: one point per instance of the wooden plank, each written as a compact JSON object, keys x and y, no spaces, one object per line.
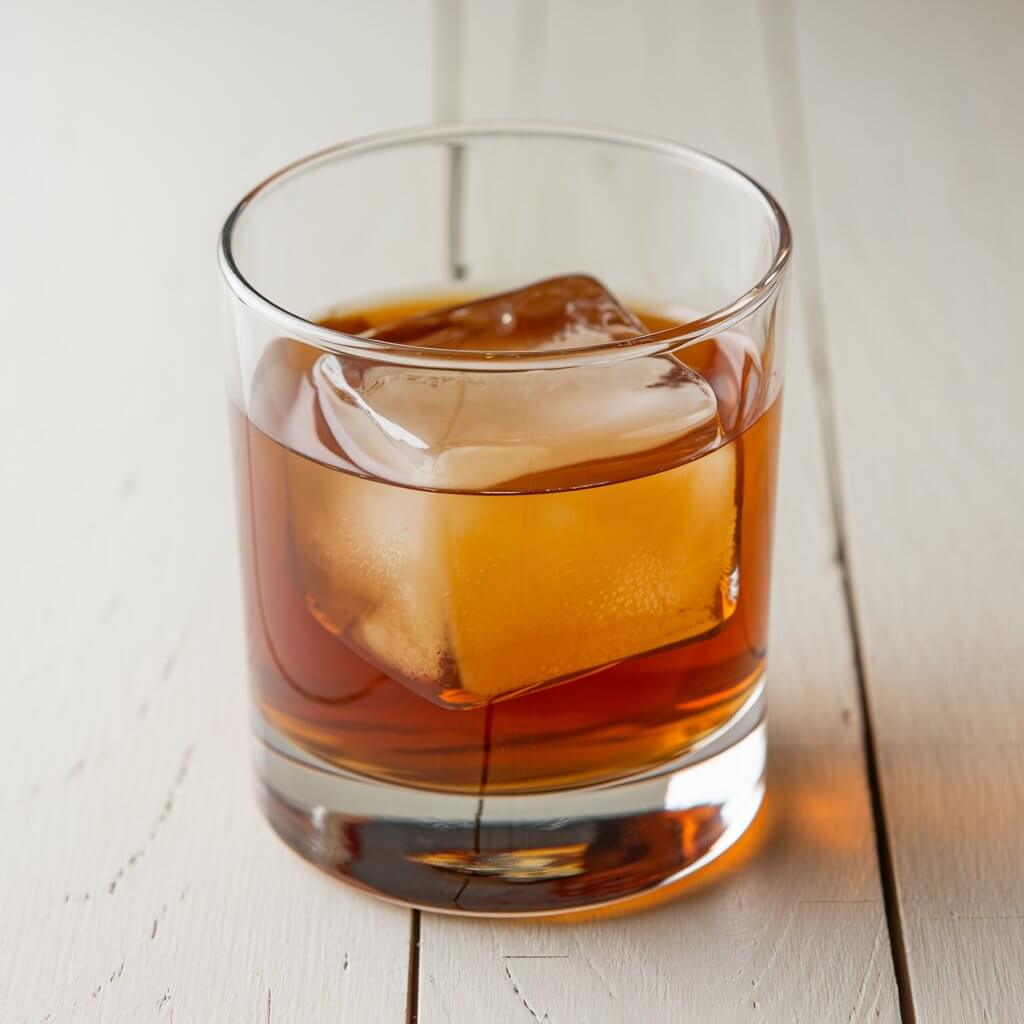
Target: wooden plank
{"x":917,"y":147}
{"x":137,"y":880}
{"x":791,"y":925}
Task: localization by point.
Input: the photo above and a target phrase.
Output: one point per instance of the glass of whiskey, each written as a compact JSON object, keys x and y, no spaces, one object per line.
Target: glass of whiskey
{"x":505,"y":400}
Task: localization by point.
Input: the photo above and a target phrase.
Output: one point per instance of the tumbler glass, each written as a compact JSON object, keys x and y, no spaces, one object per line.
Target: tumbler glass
{"x":505,"y":401}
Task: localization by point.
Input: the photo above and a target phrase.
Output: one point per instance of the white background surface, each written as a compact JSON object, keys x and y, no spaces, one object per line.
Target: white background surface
{"x":137,"y":881}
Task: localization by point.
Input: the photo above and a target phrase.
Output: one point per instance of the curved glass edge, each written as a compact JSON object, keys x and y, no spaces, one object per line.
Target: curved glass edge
{"x":330,"y":340}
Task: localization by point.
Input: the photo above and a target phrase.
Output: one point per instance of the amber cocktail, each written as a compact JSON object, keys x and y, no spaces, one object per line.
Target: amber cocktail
{"x":506,"y":551}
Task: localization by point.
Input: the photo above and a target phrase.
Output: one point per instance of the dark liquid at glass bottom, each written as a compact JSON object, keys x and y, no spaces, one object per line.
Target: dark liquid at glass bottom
{"x":493,"y":855}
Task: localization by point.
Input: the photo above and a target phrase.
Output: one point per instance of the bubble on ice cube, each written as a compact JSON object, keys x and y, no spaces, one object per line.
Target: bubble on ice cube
{"x":470,"y":597}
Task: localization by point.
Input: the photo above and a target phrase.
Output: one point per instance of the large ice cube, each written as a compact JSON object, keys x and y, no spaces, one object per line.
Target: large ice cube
{"x":469,"y":596}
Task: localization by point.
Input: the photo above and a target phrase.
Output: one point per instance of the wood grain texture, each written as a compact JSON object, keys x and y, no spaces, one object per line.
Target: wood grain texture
{"x":916,"y":152}
{"x":137,"y":881}
{"x":791,"y":925}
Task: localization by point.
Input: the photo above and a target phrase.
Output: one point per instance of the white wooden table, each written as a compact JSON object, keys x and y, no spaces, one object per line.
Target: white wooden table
{"x":137,"y":881}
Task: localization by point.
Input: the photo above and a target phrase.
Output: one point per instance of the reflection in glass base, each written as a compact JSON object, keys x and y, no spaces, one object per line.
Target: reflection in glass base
{"x":540,"y":853}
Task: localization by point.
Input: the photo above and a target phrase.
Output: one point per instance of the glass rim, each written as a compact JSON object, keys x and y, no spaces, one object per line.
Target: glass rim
{"x":330,"y":340}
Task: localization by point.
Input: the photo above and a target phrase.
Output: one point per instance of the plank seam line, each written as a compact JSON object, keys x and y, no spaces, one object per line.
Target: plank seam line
{"x":412,"y":995}
{"x":797,"y":173}
{"x":447,"y":25}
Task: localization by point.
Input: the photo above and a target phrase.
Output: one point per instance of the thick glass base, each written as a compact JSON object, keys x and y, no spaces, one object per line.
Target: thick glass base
{"x":507,"y":855}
